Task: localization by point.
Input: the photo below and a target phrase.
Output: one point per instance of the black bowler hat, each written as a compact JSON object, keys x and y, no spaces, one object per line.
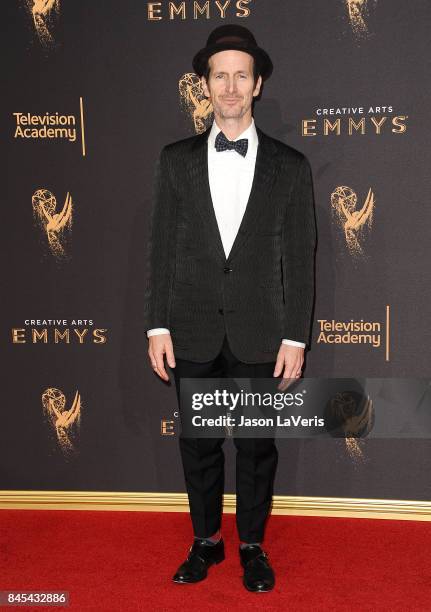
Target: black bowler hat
{"x":237,"y":37}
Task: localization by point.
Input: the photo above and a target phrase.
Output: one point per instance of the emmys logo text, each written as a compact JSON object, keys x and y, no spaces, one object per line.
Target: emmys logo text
{"x":58,"y":331}
{"x":350,"y":121}
{"x":221,"y":9}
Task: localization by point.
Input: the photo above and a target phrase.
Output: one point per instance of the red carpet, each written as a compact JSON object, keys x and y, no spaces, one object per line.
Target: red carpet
{"x":124,"y":561}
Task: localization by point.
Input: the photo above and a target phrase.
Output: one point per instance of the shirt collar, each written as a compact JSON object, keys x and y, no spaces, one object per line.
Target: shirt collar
{"x":249,"y":133}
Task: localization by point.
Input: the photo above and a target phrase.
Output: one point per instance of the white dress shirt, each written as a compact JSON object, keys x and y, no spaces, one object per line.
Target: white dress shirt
{"x":230,"y":177}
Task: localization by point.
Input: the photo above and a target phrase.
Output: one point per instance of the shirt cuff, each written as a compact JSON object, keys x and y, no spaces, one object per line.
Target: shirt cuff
{"x":157,"y":331}
{"x":293,"y":343}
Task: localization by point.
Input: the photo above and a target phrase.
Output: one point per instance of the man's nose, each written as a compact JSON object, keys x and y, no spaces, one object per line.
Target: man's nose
{"x":230,"y":85}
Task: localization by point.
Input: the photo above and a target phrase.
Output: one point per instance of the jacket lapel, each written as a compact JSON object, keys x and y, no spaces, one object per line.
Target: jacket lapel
{"x":263,"y":180}
{"x":201,"y":193}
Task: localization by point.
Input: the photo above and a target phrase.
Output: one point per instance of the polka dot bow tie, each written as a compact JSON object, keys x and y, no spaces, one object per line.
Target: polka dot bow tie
{"x":223,"y":144}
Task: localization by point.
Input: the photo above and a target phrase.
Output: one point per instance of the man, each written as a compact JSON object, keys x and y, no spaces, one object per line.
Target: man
{"x":231,"y":283}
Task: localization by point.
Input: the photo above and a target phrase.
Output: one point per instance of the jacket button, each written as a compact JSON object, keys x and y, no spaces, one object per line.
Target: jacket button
{"x":227,"y":270}
{"x":220,"y":310}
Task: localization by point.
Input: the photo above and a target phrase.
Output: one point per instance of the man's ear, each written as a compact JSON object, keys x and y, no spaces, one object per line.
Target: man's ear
{"x":205,"y":86}
{"x":257,"y":87}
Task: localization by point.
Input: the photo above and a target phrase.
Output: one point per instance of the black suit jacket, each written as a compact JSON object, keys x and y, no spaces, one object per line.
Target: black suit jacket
{"x":264,"y":290}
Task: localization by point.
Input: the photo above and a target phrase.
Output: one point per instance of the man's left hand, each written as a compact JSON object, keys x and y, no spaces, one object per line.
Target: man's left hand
{"x":290,"y":360}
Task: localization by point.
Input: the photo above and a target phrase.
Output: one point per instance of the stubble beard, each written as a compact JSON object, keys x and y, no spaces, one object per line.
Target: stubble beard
{"x":227,"y":112}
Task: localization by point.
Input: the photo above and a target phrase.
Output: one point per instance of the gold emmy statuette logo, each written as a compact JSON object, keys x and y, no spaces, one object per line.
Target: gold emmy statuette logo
{"x":44,"y":13}
{"x":355,"y":418}
{"x":194,"y":102}
{"x":64,"y":422}
{"x":344,"y":202}
{"x":44,"y":205}
{"x":358,"y":11}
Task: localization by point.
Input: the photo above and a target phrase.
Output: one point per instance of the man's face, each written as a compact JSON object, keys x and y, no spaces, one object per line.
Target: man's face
{"x":230,"y":86}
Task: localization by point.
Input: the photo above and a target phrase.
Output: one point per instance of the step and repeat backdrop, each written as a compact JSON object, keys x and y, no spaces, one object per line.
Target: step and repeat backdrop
{"x":92,"y":91}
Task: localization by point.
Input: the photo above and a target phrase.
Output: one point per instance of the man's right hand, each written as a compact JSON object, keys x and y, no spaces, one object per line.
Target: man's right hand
{"x":158,"y":346}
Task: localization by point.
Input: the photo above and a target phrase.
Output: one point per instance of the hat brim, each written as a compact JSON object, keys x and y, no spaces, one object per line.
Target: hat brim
{"x":262,"y":58}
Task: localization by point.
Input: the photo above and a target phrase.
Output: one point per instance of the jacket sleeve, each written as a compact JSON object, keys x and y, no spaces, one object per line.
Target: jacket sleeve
{"x":298,"y":251}
{"x":161,"y":247}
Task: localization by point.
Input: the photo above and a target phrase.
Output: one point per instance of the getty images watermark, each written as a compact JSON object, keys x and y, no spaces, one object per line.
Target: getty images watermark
{"x":309,"y":407}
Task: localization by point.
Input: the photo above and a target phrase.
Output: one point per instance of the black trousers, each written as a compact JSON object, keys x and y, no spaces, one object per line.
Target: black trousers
{"x":203,"y":459}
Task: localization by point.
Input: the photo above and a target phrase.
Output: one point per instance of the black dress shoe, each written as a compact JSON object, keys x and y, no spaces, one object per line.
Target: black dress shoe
{"x":258,"y":574}
{"x":201,"y":556}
